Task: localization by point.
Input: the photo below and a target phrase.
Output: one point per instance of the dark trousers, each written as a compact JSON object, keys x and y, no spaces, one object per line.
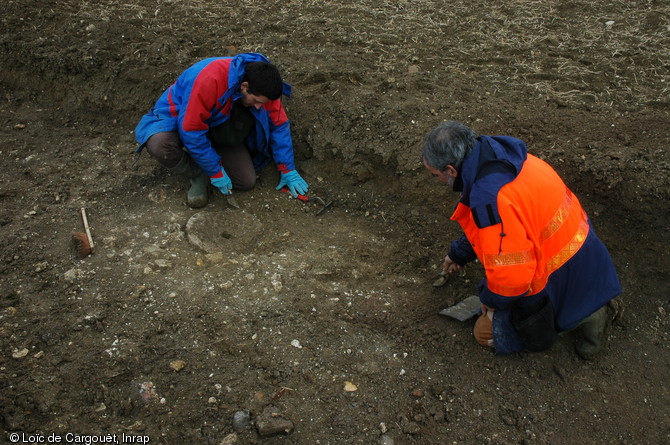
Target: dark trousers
{"x":166,"y":148}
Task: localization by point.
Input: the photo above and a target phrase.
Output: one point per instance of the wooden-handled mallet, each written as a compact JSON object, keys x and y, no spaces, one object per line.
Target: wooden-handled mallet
{"x":82,"y":243}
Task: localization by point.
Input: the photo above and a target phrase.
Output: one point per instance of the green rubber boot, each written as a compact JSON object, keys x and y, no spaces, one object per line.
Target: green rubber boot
{"x":593,"y":329}
{"x":592,"y":334}
{"x":197,"y":193}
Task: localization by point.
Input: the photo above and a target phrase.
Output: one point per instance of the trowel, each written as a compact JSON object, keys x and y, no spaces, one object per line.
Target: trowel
{"x":305,"y":198}
{"x":441,"y":280}
{"x":232,"y":201}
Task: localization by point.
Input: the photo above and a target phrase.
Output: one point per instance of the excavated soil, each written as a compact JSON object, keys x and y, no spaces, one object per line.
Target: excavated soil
{"x":323,"y":325}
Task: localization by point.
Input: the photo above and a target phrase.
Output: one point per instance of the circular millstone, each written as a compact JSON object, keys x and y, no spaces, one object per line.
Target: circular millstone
{"x":223,"y":231}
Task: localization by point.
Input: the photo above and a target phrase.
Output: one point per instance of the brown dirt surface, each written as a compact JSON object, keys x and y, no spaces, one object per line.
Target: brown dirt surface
{"x":276,"y":307}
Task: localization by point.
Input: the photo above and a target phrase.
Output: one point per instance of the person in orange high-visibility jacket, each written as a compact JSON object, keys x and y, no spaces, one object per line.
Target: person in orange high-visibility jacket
{"x":546,"y":270}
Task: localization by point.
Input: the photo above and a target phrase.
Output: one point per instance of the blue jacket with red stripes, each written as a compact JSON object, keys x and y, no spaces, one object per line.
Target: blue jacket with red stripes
{"x":202,"y":98}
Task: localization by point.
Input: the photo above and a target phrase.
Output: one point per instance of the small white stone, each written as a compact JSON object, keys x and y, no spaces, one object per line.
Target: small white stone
{"x":20,"y":354}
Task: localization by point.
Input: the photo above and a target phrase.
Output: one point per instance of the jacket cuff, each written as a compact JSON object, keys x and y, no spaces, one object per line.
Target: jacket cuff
{"x":457,"y":258}
{"x":461,"y":251}
{"x":283,"y":168}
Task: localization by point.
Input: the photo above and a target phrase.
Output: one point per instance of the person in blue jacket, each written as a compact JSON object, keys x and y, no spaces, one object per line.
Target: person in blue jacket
{"x":220,"y":122}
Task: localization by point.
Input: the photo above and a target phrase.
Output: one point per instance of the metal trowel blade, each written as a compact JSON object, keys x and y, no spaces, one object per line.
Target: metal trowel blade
{"x":464,"y":310}
{"x":232,"y":202}
{"x":441,"y":280}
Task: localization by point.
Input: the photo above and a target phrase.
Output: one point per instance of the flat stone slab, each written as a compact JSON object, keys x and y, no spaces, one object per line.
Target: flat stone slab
{"x":464,"y":310}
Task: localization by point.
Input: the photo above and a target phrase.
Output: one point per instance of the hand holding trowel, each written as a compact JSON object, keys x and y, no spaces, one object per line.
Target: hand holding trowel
{"x":448,"y":268}
{"x":465,"y":309}
{"x":223,"y":182}
{"x":305,"y":198}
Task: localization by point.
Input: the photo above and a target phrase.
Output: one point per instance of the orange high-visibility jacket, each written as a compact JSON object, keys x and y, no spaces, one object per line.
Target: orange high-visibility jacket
{"x":542,"y":226}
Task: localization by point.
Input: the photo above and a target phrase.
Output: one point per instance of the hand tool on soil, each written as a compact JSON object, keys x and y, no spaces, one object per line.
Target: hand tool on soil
{"x":83,"y":242}
{"x":464,"y":310}
{"x":232,"y":201}
{"x":305,"y":198}
{"x":444,"y":276}
{"x":441,"y":280}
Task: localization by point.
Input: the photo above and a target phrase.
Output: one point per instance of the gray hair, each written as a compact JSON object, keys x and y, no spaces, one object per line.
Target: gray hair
{"x":448,"y":144}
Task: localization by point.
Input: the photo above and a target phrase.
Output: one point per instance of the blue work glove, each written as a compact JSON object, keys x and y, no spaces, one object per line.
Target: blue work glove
{"x":294,"y":182}
{"x":222,"y":181}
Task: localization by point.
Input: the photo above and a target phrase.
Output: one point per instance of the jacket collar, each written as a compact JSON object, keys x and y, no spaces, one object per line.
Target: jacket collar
{"x":236,"y":73}
{"x":494,"y":162}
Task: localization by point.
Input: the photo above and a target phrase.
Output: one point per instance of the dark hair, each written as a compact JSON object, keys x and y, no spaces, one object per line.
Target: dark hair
{"x":448,"y":144}
{"x":264,"y":80}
